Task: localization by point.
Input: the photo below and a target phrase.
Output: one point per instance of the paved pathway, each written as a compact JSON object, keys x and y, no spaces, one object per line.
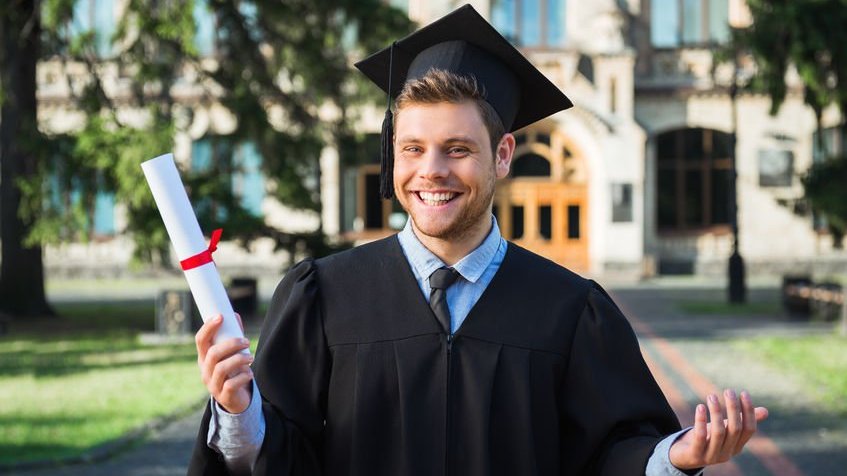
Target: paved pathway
{"x":165,"y":453}
{"x":689,"y":357}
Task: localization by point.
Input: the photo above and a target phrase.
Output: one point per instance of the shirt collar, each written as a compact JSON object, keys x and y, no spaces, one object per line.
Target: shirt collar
{"x":471,"y":267}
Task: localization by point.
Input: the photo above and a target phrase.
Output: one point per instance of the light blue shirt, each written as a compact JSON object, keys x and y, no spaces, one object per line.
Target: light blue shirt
{"x":476,"y":270}
{"x":239,"y":437}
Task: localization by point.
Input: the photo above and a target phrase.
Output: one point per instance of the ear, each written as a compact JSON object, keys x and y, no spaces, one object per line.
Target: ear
{"x":505,"y":152}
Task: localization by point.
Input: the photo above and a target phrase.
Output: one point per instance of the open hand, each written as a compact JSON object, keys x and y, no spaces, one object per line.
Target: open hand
{"x":723,"y":437}
{"x":224,"y":369}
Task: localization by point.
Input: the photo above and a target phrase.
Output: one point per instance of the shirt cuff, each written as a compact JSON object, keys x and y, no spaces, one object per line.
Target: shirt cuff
{"x":238,"y":437}
{"x":659,"y":463}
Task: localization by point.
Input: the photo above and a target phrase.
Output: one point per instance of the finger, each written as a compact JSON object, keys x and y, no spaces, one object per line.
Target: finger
{"x":227,"y":369}
{"x":761,"y":413}
{"x":236,"y":383}
{"x":240,"y":322}
{"x":219,"y":352}
{"x":205,"y":335}
{"x":230,"y":399}
{"x":748,"y":419}
{"x":698,"y":444}
{"x":717,"y":431}
{"x":733,"y":424}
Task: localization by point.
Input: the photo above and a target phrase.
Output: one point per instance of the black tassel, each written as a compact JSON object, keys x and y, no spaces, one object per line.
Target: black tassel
{"x":386,"y":179}
{"x":386,"y":173}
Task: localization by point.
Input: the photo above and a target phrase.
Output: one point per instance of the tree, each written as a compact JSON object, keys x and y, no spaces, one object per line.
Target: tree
{"x":809,"y":36}
{"x":277,"y":66}
{"x":21,"y":270}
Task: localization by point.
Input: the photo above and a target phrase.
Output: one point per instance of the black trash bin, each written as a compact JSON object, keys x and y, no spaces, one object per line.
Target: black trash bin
{"x":175,"y":313}
{"x":795,"y":304}
{"x":825,"y":302}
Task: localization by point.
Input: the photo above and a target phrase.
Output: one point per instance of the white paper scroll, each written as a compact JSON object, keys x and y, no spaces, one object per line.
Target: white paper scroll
{"x":181,"y":222}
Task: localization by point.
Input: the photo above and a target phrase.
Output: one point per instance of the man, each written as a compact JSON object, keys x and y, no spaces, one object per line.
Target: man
{"x":445,"y":349}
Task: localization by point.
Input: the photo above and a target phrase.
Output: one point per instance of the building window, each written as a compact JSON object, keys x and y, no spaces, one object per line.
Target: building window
{"x":80,"y":204}
{"x":531,"y":165}
{"x":776,"y":168}
{"x":97,"y":16}
{"x":241,"y":160}
{"x":531,"y":23}
{"x":675,"y":23}
{"x":621,"y":202}
{"x":573,"y":222}
{"x":517,"y":222}
{"x":693,"y":178}
{"x":206,"y":24}
{"x":545,"y":221}
{"x":829,"y":142}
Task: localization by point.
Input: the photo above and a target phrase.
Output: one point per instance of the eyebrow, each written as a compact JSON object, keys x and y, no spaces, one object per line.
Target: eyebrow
{"x":450,"y":140}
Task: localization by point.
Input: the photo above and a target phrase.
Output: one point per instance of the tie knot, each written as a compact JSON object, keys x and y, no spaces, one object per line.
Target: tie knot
{"x":442,"y":278}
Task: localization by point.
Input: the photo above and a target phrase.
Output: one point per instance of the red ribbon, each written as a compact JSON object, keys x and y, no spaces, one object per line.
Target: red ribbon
{"x":204,"y":256}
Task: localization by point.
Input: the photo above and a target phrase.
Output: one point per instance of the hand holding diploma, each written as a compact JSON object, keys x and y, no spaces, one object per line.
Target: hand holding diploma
{"x":225,"y":370}
{"x":223,"y":352}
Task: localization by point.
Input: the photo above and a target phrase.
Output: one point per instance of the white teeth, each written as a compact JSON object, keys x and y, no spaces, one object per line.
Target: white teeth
{"x":436,"y":198}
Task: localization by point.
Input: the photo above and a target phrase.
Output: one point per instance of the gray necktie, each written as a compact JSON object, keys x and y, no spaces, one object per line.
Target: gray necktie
{"x":439,"y":281}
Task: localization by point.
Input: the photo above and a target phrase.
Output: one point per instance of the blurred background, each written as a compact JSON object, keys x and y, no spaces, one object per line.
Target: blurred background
{"x":703,"y":167}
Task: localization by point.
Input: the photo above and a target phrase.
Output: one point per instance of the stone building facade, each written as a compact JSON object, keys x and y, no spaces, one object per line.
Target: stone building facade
{"x":633,"y":181}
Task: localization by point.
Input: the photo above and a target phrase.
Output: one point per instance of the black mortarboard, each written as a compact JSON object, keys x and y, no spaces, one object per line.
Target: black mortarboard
{"x":464,"y":43}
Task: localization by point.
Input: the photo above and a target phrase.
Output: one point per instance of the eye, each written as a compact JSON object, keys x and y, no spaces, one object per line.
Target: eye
{"x":458,"y":151}
{"x":412,"y":149}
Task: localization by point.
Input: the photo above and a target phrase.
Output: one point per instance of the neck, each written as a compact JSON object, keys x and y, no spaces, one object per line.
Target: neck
{"x":452,"y":250}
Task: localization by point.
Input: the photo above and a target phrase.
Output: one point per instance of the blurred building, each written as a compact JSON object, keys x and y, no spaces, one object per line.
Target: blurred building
{"x":633,"y":181}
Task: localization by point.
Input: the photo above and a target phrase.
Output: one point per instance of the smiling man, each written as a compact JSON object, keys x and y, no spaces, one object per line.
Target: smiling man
{"x":445,"y":349}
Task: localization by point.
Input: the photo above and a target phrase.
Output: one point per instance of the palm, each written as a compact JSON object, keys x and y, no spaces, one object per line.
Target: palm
{"x":723,"y":437}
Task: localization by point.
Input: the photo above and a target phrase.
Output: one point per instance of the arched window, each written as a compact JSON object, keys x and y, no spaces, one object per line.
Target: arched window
{"x":693,"y":178}
{"x":531,"y":165}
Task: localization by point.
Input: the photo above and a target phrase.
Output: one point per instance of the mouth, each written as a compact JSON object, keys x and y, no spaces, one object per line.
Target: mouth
{"x":435,"y":199}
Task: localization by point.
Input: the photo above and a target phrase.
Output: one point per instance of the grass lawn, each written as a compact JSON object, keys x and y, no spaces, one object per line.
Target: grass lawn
{"x":69,"y":384}
{"x":820,"y":360}
{"x":725,"y":308}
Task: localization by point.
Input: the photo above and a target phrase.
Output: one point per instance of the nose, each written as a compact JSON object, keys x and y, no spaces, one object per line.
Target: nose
{"x":434,"y":165}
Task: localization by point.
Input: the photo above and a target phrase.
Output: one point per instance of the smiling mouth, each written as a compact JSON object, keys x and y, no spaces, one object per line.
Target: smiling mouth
{"x":435,"y":199}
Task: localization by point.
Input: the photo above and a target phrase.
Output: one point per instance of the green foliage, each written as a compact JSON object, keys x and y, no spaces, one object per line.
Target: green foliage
{"x":824,"y":183}
{"x":277,"y":67}
{"x":720,"y":308}
{"x":808,"y":34}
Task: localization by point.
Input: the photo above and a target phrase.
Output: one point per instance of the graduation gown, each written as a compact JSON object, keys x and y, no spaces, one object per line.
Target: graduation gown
{"x":544,"y":377}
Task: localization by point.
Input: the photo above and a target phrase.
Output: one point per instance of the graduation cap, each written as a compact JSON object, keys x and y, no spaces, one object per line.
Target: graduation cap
{"x":464,"y":43}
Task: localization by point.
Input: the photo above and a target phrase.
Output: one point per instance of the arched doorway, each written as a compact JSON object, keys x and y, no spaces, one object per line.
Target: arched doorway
{"x":543,"y":204}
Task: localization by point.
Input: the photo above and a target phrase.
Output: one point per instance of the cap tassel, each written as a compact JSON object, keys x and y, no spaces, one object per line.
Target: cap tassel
{"x":386,"y":179}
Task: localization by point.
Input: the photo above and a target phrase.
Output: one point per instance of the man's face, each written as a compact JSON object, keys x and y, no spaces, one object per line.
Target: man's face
{"x":444,"y":168}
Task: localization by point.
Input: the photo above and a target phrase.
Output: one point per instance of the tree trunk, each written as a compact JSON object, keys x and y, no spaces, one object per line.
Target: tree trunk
{"x":21,"y":270}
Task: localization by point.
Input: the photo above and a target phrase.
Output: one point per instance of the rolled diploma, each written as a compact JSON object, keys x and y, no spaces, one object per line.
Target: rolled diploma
{"x":181,"y":222}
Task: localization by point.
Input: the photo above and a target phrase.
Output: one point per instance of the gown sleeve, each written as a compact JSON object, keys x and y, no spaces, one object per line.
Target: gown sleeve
{"x":613,"y":411}
{"x":291,"y":371}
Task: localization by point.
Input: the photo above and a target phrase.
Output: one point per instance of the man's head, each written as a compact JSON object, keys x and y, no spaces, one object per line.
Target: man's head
{"x":438,"y":85}
{"x":465,"y":44}
{"x":449,"y":149}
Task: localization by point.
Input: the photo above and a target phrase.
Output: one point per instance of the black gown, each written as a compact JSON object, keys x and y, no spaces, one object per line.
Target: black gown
{"x":544,"y":377}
